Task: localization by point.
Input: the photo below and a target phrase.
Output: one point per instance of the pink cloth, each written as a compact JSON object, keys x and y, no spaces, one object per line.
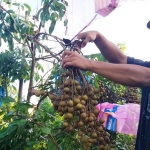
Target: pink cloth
{"x":105,"y":7}
{"x":123,"y":119}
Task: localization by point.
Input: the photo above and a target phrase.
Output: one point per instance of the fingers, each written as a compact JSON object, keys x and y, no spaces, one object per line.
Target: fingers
{"x":85,"y":38}
{"x":73,"y":59}
{"x":67,"y":62}
{"x":66,"y":53}
{"x":82,"y":35}
{"x":84,"y":43}
{"x":67,"y":58}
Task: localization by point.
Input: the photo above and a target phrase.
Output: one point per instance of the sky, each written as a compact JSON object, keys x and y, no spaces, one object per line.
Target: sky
{"x":126,"y":24}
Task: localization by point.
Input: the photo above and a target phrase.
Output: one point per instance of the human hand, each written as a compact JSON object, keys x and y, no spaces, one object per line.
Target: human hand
{"x":88,"y":36}
{"x":74,"y":59}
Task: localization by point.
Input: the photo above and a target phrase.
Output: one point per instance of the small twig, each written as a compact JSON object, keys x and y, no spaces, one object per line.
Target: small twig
{"x":61,"y":132}
{"x":49,"y":135}
{"x":48,"y":61}
{"x":42,"y":98}
{"x":32,"y":68}
{"x":42,"y":78}
{"x":73,"y":138}
{"x":49,"y":114}
{"x":47,"y":49}
{"x":53,"y":36}
{"x":82,"y":77}
{"x":44,"y":57}
{"x":29,"y":46}
{"x":4,"y":9}
{"x":54,"y":141}
{"x":37,"y":123}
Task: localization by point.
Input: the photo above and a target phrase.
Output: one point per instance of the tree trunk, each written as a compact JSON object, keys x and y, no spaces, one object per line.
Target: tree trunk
{"x":5,"y":85}
{"x":31,"y":79}
{"x":20,"y":90}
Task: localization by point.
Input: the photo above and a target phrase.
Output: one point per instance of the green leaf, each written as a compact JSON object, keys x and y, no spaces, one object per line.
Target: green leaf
{"x":65,"y":22}
{"x":10,"y":11}
{"x":46,"y":14}
{"x":10,"y":42}
{"x":46,"y":130}
{"x":37,"y":77}
{"x":22,"y":107}
{"x":31,"y":143}
{"x":14,"y":78}
{"x":54,"y":16}
{"x":7,"y":131}
{"x":38,"y":13}
{"x":6,"y":140}
{"x":2,"y":15}
{"x":39,"y":48}
{"x":16,"y":4}
{"x":4,"y":36}
{"x":26,"y":23}
{"x":42,"y":17}
{"x":18,"y":122}
{"x":12,"y":27}
{"x":66,"y":3}
{"x":51,"y":145}
{"x":27,"y":6}
{"x":22,"y":7}
{"x":40,"y":67}
{"x":1,"y":25}
{"x":7,"y":99}
{"x":7,"y":1}
{"x":52,"y":77}
{"x":18,"y":145}
{"x":52,"y":26}
{"x":0,"y":41}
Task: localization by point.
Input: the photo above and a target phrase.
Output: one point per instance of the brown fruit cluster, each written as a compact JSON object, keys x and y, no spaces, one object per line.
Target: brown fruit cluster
{"x":76,"y":103}
{"x":106,"y":95}
{"x":37,"y":93}
{"x":132,"y":95}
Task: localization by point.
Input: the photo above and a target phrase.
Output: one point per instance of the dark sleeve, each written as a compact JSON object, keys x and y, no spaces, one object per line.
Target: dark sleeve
{"x":131,"y":60}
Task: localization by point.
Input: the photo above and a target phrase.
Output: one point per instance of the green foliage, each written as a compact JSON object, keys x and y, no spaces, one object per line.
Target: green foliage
{"x":34,"y":130}
{"x":53,"y":11}
{"x":23,"y":125}
{"x":125,"y":142}
{"x":14,"y":66}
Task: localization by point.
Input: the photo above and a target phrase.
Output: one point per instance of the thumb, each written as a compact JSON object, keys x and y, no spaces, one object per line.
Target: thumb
{"x":85,"y":41}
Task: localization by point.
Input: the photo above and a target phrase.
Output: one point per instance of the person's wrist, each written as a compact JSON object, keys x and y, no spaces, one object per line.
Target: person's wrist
{"x":98,"y":36}
{"x":88,"y":65}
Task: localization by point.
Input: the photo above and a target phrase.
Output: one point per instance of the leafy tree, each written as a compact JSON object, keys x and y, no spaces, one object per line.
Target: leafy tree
{"x":27,"y":30}
{"x":22,"y":124}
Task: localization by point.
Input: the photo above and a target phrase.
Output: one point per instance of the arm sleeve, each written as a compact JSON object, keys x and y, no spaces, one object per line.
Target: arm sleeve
{"x":131,"y":60}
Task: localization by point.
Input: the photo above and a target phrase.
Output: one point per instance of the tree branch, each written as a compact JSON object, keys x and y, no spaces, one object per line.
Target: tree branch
{"x":47,"y":49}
{"x":32,"y":69}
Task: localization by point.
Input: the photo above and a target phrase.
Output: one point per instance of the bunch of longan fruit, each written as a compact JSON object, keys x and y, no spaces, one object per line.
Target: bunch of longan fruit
{"x":76,"y":102}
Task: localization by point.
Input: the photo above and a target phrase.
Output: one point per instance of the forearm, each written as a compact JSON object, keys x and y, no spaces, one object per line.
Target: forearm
{"x":125,"y":74}
{"x":109,"y":50}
